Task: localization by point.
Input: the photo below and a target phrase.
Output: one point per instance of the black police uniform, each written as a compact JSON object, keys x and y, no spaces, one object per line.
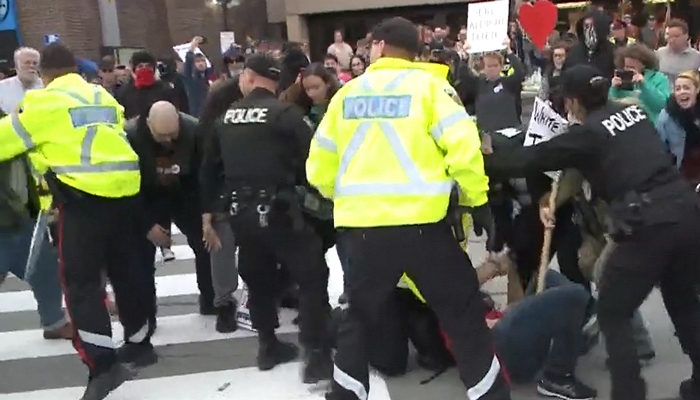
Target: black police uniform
{"x":261,"y":144}
{"x":655,"y":220}
{"x":170,"y":192}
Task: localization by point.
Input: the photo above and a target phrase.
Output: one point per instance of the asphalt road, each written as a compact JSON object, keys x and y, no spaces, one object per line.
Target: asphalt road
{"x":198,"y":363}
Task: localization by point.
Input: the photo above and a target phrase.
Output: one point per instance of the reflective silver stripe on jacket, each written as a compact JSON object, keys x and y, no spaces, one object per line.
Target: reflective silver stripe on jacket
{"x":86,"y":165}
{"x":416,"y":185}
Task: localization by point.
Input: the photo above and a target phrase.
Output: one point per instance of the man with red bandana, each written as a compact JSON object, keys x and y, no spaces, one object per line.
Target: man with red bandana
{"x":145,"y":88}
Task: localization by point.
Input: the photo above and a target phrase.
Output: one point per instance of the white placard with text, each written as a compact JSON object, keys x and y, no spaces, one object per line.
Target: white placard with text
{"x":545,"y":123}
{"x":182,"y":49}
{"x":487,"y":25}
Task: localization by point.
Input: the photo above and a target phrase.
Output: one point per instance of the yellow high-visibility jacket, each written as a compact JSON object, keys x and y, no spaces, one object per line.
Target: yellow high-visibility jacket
{"x":391,"y":145}
{"x":76,"y":130}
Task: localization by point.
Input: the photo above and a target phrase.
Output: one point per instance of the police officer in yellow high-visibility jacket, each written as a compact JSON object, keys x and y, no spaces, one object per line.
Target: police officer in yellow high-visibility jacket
{"x":72,"y":133}
{"x":388,"y":150}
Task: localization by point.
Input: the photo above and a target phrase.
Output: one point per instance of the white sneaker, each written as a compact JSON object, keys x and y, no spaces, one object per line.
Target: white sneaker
{"x":168,"y":255}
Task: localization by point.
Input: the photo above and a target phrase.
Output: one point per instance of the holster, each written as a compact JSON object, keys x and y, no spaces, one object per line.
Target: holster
{"x":454,"y":216}
{"x":632,"y":211}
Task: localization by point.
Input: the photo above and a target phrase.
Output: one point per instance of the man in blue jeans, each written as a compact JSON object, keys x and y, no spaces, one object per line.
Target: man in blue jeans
{"x":44,"y":282}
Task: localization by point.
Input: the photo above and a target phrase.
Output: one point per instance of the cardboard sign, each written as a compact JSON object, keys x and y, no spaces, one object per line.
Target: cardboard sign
{"x":545,"y":124}
{"x":182,"y":49}
{"x":487,"y":25}
{"x":243,"y":313}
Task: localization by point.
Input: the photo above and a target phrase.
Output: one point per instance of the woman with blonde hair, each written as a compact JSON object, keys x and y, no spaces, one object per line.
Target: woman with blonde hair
{"x":679,"y":125}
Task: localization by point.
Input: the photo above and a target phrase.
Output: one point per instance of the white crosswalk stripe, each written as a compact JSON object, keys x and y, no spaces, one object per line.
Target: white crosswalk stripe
{"x":196,"y":362}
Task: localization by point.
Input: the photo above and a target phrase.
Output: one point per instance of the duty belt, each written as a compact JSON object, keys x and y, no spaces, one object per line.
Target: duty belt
{"x":260,"y":198}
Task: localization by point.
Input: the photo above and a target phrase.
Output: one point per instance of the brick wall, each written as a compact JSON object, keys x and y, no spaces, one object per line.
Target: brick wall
{"x":154,"y":24}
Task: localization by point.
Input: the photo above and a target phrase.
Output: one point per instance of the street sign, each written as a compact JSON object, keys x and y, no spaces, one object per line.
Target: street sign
{"x":51,"y":38}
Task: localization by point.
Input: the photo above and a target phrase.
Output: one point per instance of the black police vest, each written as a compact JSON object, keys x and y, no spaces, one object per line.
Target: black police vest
{"x":630,"y":155}
{"x":256,"y":150}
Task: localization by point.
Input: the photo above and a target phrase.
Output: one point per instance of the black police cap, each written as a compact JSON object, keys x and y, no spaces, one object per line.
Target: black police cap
{"x":582,"y":80}
{"x":264,"y":65}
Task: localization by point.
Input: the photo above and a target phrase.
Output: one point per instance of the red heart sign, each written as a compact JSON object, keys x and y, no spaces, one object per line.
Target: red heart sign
{"x":538,"y":20}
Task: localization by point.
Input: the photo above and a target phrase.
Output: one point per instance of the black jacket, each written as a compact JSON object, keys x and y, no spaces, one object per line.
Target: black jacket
{"x":494,"y":108}
{"x":159,"y":198}
{"x":602,"y":56}
{"x":260,"y":141}
{"x":138,"y":101}
{"x":615,"y":155}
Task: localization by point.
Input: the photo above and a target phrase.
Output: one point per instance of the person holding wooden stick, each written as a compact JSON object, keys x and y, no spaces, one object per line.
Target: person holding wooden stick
{"x":654,"y":219}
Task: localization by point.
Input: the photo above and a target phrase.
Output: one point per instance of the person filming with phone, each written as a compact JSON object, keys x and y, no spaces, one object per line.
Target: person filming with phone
{"x":640,"y":80}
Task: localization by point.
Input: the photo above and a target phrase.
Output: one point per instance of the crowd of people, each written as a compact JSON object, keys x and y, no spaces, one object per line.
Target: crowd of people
{"x":246,"y":163}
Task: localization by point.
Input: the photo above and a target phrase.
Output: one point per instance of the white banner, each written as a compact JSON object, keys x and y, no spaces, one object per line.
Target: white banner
{"x":182,"y":49}
{"x":545,"y":123}
{"x":226,"y":40}
{"x":487,"y":25}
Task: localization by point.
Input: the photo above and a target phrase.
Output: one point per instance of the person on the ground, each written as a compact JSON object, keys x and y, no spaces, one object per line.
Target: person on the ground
{"x":96,"y":193}
{"x":648,"y":85}
{"x":393,"y":213}
{"x":260,"y":146}
{"x":144,"y":89}
{"x":653,"y":212}
{"x":593,"y":47}
{"x":677,"y":56}
{"x":170,"y":152}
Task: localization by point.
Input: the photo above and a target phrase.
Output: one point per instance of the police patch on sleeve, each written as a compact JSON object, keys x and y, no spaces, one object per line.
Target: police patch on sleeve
{"x":453,"y":94}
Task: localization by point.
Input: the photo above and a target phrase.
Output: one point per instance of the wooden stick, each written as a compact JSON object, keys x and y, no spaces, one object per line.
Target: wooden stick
{"x":547,"y":243}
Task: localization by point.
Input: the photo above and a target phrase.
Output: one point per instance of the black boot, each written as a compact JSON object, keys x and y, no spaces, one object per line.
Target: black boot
{"x":690,"y":390}
{"x":272,"y":352}
{"x":100,"y":386}
{"x":206,"y":306}
{"x":138,"y":355}
{"x":318,"y":366}
{"x":226,"y":318}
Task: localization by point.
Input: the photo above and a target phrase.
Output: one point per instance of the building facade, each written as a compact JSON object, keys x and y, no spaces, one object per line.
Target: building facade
{"x":153,"y":24}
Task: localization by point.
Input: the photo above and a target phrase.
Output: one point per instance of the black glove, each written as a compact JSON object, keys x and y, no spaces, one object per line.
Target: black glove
{"x":483,"y":222}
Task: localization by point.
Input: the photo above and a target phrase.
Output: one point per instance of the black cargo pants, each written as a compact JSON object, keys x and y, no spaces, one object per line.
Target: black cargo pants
{"x":95,"y":234}
{"x":667,"y":254}
{"x":300,"y":252}
{"x":434,"y":260}
{"x":188,"y":219}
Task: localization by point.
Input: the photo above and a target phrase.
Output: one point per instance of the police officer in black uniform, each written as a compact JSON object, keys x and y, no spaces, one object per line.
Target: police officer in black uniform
{"x":261,"y":145}
{"x":655,"y":219}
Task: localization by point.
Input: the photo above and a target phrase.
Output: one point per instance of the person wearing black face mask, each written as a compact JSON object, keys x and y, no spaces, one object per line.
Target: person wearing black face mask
{"x":145,"y":88}
{"x":593,"y":47}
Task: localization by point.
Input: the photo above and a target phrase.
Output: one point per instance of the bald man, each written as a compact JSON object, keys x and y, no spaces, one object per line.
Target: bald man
{"x":168,"y":147}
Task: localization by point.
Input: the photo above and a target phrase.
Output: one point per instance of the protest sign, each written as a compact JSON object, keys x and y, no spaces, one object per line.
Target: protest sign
{"x":182,"y":49}
{"x":226,"y":40}
{"x":545,"y":123}
{"x":487,"y":25}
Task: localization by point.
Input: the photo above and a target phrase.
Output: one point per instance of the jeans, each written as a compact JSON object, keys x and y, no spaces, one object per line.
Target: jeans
{"x":45,"y":284}
{"x":543,"y":331}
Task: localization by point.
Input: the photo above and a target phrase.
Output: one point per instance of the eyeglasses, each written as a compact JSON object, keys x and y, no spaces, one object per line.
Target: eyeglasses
{"x":107,"y":70}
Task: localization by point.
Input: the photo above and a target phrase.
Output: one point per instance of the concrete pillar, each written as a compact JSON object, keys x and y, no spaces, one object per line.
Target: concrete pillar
{"x":297,"y":29}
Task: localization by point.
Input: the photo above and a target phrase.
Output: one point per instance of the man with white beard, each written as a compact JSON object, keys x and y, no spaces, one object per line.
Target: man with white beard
{"x":16,"y":235}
